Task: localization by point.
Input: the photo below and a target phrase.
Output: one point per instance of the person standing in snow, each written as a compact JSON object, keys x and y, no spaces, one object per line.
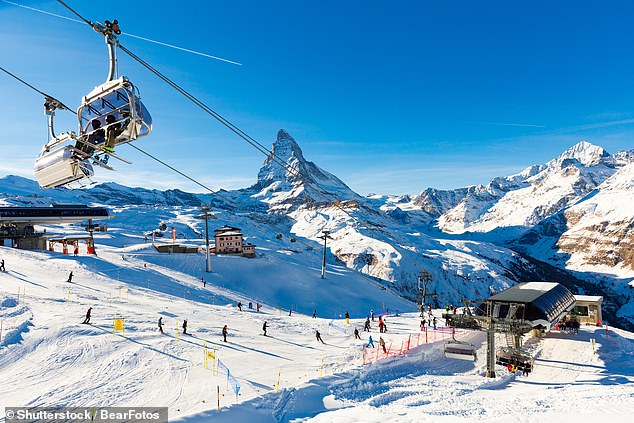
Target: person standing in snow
{"x":314,"y":313}
{"x":2,"y":269}
{"x":347,"y":315}
{"x":70,"y":277}
{"x":224,"y":333}
{"x":240,"y":305}
{"x":356,"y":334}
{"x":318,"y":336}
{"x":202,"y":279}
{"x":264,"y":326}
{"x":382,"y":344}
{"x":370,"y":342}
{"x":366,"y":327}
{"x":257,"y":307}
{"x":434,"y":323}
{"x":372,"y":314}
{"x":185,"y":327}
{"x":87,"y":319}
{"x":160,"y":324}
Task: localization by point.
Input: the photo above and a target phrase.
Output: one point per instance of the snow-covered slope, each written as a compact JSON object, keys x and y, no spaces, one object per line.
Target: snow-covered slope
{"x":52,"y":359}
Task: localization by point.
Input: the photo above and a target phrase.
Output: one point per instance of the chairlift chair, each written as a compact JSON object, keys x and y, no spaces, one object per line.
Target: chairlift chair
{"x":120,"y":99}
{"x":515,"y":357}
{"x":65,"y":158}
{"x":61,"y":167}
{"x":460,"y":350}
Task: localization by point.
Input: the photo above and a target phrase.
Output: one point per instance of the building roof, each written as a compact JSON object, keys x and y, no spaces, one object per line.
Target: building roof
{"x":228,"y":233}
{"x":541,"y":303}
{"x":74,"y":237}
{"x":524,"y":292}
{"x":589,"y":298}
{"x":227,"y":228}
{"x":54,"y":214}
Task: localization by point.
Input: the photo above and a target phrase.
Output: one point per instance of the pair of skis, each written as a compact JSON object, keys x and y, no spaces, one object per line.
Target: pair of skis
{"x":101,"y":157}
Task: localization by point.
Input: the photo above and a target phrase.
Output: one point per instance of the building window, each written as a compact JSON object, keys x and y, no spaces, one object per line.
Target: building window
{"x":580,"y":311}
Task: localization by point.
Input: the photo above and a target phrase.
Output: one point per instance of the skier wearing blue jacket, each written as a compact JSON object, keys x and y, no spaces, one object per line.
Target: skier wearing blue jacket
{"x":370,"y":342}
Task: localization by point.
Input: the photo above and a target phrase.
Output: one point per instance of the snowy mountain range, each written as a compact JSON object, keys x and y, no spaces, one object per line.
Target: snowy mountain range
{"x":573,"y":214}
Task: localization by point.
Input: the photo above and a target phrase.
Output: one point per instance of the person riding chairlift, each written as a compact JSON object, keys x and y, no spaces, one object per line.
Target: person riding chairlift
{"x":115,"y":128}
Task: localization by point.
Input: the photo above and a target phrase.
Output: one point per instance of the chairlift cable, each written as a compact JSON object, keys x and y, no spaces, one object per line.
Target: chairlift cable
{"x":35,"y":89}
{"x":149,"y":40}
{"x":75,"y":13}
{"x":40,"y":11}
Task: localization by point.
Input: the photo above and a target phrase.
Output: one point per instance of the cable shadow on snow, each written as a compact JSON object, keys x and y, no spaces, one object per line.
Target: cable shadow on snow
{"x":146,"y":346}
{"x":290,"y":342}
{"x":261,"y":352}
{"x":11,"y":273}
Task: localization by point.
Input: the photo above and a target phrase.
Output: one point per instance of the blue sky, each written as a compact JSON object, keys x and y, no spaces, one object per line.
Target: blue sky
{"x":392,"y":97}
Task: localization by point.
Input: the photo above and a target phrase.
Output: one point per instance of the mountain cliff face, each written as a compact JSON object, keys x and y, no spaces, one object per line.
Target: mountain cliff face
{"x":524,"y":200}
{"x":287,"y":180}
{"x":595,"y":233}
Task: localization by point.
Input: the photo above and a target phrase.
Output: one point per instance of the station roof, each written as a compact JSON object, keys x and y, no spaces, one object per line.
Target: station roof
{"x":51,"y":215}
{"x":541,"y":303}
{"x":589,"y":298}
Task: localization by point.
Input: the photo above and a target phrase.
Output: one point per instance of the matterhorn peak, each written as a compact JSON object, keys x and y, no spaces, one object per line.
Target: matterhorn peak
{"x":286,"y":169}
{"x":285,"y":148}
{"x":585,"y":152}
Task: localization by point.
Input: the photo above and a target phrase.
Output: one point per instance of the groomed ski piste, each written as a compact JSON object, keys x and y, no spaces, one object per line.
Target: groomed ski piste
{"x":48,"y":358}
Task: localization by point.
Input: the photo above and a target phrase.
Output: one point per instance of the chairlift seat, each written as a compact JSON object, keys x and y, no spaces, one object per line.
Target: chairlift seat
{"x":460,"y":351}
{"x":514,"y":357}
{"x":60,"y":167}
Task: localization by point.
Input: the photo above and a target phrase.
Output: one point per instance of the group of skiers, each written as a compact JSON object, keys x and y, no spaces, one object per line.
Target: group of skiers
{"x":382,"y":325}
{"x":258,"y":306}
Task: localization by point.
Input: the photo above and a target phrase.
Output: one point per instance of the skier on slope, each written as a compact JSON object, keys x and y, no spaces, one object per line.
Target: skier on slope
{"x":160,"y":324}
{"x":370,"y":342}
{"x":185,"y":327}
{"x":356,"y":334}
{"x":224,"y":333}
{"x":264,"y":326}
{"x":318,"y":336}
{"x":382,"y":344}
{"x":2,"y":269}
{"x":70,"y":277}
{"x":87,"y":319}
{"x":366,"y":326}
